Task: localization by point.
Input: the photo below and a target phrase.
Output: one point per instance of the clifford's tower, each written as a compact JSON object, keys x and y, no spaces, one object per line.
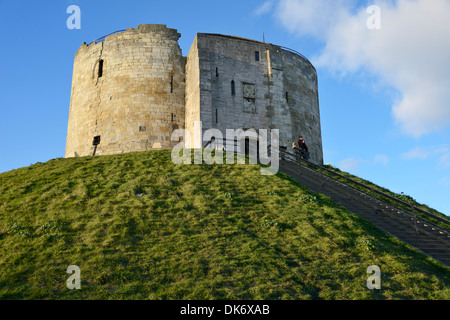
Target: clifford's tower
{"x":133,"y":88}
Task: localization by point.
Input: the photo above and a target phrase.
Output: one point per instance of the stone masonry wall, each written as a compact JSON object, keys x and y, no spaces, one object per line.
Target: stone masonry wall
{"x":137,"y":100}
{"x":192,"y":109}
{"x":135,"y":88}
{"x":249,"y":84}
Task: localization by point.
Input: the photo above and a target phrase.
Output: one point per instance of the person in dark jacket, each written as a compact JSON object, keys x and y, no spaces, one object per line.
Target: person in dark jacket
{"x":301,"y":148}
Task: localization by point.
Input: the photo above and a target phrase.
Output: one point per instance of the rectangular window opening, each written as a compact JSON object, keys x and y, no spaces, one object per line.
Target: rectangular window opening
{"x":256,"y":55}
{"x":171,"y":84}
{"x":216,"y":116}
{"x":217,"y":72}
{"x":100,"y":68}
{"x":233,"y":88}
{"x":287,"y":96}
{"x":142,"y":128}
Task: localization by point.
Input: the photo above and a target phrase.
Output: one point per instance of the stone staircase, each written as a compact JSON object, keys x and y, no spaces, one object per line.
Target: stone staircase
{"x":417,"y":232}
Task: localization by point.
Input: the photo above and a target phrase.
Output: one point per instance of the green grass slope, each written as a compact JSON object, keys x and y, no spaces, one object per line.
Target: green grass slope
{"x":403,"y":197}
{"x":140,"y":227}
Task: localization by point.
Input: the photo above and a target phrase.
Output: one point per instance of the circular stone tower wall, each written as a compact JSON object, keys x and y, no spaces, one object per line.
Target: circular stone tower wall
{"x":128,"y":92}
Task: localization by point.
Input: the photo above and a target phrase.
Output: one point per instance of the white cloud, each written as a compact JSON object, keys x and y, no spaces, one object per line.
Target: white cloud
{"x":441,"y":153}
{"x":410,"y":53}
{"x":314,"y":18}
{"x":381,"y":159}
{"x":266,"y":7}
{"x":349,"y":164}
{"x":444,"y":156}
{"x":416,"y":153}
{"x":445,"y":182}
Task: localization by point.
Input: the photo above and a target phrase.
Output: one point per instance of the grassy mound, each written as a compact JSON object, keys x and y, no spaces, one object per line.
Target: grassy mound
{"x":403,"y":197}
{"x":140,"y":227}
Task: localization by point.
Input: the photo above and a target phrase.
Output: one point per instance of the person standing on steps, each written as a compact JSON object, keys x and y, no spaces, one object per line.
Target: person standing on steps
{"x":301,"y":148}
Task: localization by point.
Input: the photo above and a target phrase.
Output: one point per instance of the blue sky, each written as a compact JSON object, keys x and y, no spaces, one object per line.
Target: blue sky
{"x":384,"y":93}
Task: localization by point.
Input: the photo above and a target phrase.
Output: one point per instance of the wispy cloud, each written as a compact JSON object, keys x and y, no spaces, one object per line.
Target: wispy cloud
{"x":265,"y":8}
{"x":350,"y":164}
{"x":410,"y":53}
{"x":444,"y":156}
{"x":381,"y":159}
{"x":441,"y":153}
{"x":416,"y":153}
{"x":445,"y":182}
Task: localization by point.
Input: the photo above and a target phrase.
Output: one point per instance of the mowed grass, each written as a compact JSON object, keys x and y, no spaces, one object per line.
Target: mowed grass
{"x":140,"y":227}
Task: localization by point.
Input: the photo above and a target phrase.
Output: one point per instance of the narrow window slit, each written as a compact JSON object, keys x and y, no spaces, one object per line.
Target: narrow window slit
{"x":100,"y":68}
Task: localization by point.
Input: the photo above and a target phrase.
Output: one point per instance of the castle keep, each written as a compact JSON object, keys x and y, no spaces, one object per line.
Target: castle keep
{"x":132,"y":89}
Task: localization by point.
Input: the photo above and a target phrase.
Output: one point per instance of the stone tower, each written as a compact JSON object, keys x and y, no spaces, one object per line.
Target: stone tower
{"x":128,"y":92}
{"x":132,"y":89}
{"x":237,"y":83}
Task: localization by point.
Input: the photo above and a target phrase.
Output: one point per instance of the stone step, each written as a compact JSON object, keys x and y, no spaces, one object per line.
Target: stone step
{"x":388,"y":219}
